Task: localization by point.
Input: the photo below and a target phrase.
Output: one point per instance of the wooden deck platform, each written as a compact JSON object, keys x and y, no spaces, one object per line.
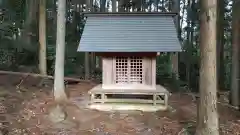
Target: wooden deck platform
{"x":135,"y":99}
{"x":99,"y":89}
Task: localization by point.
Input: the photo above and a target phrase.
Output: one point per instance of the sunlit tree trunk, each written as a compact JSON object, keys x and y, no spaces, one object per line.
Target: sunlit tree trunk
{"x":42,"y":38}
{"x":235,"y":80}
{"x":220,"y":45}
{"x":59,"y":88}
{"x":207,"y":123}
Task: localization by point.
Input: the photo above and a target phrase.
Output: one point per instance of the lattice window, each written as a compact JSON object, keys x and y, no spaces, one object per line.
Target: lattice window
{"x":129,"y":70}
{"x":136,"y":66}
{"x":121,"y":69}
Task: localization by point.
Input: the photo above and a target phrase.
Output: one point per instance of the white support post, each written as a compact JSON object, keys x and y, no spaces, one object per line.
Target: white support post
{"x":166,"y":99}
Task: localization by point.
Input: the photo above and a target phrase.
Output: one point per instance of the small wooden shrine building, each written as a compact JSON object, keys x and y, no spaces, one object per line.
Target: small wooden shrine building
{"x":128,"y":44}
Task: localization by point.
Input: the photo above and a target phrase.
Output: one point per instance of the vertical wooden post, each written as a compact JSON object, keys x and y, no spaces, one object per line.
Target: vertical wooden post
{"x":102,"y":97}
{"x":153,"y":61}
{"x":92,"y":97}
{"x":154,"y":99}
{"x":166,"y":100}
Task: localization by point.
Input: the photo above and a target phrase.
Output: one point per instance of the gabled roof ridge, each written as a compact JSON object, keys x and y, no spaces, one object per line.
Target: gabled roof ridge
{"x":87,"y":14}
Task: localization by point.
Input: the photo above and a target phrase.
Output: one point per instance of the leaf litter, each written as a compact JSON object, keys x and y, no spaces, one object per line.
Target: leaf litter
{"x":28,"y":113}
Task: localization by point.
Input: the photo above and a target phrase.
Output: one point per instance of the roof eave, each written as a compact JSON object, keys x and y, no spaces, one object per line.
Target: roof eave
{"x":91,"y":14}
{"x":110,"y":51}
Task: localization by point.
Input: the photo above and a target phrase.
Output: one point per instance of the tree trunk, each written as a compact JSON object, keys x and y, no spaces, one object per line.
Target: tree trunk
{"x":170,"y":4}
{"x":92,"y":55}
{"x":59,"y":88}
{"x":114,"y":6}
{"x":54,"y":22}
{"x":174,"y":61}
{"x":102,"y":5}
{"x":42,"y":38}
{"x":235,"y":81}
{"x":102,"y":9}
{"x":220,"y":45}
{"x":183,"y":11}
{"x":189,"y":45}
{"x":31,"y":10}
{"x":192,"y":39}
{"x":174,"y":57}
{"x":207,"y":123}
{"x":121,"y":7}
{"x":156,"y":2}
{"x":86,"y":54}
{"x":163,"y":6}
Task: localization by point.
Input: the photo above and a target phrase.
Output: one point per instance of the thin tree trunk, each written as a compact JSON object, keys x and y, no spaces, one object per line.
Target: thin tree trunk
{"x":137,"y":5}
{"x":207,"y":123}
{"x":59,"y":88}
{"x":220,"y":45}
{"x":54,"y":13}
{"x":121,"y":7}
{"x":86,"y":55}
{"x":114,"y":6}
{"x":192,"y":39}
{"x":170,"y":4}
{"x":189,"y":45}
{"x":42,"y":38}
{"x":102,"y":5}
{"x":92,"y":55}
{"x":174,"y":61}
{"x":183,"y":11}
{"x":235,"y":81}
{"x":127,"y":6}
{"x":163,"y":6}
{"x":31,"y":10}
{"x":145,"y":6}
{"x":102,"y":9}
{"x":156,"y":2}
{"x":174,"y":56}
{"x":93,"y":62}
{"x":87,"y":66}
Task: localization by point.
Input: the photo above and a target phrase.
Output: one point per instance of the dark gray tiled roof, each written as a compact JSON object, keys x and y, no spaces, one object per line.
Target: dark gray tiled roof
{"x":129,"y":33}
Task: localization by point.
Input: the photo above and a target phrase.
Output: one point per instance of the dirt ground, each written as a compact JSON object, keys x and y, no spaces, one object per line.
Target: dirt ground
{"x":25,"y":110}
